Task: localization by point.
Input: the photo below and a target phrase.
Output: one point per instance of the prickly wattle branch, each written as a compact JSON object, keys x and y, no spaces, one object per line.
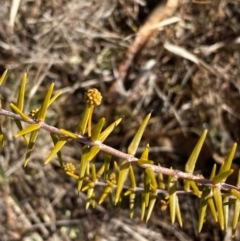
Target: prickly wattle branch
{"x":213,"y":193}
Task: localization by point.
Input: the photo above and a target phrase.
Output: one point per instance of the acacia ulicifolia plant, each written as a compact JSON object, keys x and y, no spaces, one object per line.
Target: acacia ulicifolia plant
{"x":214,"y":193}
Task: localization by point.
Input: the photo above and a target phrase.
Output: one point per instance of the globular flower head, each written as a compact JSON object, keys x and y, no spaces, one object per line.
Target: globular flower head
{"x":69,"y":167}
{"x":92,"y":97}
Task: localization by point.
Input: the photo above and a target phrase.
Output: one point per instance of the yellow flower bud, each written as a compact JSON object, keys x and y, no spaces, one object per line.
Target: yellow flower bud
{"x":33,"y":112}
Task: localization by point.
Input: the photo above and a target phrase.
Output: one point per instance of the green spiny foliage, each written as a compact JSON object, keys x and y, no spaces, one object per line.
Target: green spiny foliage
{"x":214,"y":193}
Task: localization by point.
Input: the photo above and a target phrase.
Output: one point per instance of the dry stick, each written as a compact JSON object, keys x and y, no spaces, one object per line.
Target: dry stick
{"x":36,"y":219}
{"x":130,"y":158}
{"x":160,"y":13}
{"x":128,"y":230}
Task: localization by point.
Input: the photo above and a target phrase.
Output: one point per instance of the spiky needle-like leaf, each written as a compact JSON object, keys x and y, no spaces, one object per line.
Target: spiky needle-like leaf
{"x":83,"y":123}
{"x":55,"y":139}
{"x":20,"y":100}
{"x":18,"y":111}
{"x":123,"y":174}
{"x":107,"y":160}
{"x":172,"y":186}
{"x":43,"y":110}
{"x":69,"y":134}
{"x":190,"y":165}
{"x":228,"y":162}
{"x":109,"y":130}
{"x":58,"y":146}
{"x":236,"y":214}
{"x":97,"y":129}
{"x":203,"y":207}
{"x":28,"y":129}
{"x":20,"y":103}
{"x":3,"y":76}
{"x":1,"y":136}
{"x":137,"y":138}
{"x":153,"y":198}
{"x":221,"y":177}
{"x":83,"y":166}
{"x":219,"y":206}
{"x":31,"y":143}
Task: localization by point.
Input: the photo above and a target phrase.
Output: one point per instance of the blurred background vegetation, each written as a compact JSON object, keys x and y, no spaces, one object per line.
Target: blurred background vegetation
{"x":82,"y":44}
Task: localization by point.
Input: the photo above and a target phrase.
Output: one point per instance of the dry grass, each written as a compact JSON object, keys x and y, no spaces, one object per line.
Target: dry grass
{"x":187,"y":75}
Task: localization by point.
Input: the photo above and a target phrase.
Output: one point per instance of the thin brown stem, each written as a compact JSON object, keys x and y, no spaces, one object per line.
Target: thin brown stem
{"x":124,"y":156}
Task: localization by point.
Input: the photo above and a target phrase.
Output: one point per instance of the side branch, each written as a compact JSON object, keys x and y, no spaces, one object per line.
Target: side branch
{"x":130,"y":158}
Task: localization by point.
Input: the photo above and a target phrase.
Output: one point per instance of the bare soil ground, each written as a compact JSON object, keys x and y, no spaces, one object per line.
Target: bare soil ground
{"x":186,"y":73}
